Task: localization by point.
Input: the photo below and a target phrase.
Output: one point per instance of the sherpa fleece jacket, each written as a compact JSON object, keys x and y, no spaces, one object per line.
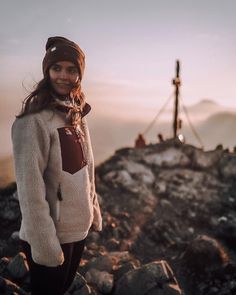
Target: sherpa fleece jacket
{"x":54,"y":171}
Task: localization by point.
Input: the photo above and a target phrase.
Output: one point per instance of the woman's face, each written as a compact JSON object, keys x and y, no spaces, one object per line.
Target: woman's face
{"x":64,"y":76}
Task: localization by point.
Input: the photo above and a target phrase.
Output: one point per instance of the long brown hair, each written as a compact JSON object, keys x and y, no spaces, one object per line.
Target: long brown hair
{"x":42,"y":97}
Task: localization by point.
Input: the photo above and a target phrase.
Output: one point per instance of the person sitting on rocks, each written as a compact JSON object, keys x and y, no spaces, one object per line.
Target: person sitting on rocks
{"x":160,"y":137}
{"x":140,"y":141}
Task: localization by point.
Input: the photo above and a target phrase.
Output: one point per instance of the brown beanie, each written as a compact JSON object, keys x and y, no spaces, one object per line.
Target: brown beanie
{"x":62,"y":49}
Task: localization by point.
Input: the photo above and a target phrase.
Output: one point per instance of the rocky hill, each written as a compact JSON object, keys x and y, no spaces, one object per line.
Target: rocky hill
{"x":169,"y":214}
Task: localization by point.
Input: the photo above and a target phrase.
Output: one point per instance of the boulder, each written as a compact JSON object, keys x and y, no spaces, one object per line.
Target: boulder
{"x":78,"y":283}
{"x":140,"y":172}
{"x":85,"y":290}
{"x":4,"y":261}
{"x":204,"y":160}
{"x":9,"y":288}
{"x":152,"y":278}
{"x":103,"y":280}
{"x":18,"y":267}
{"x":168,"y":158}
{"x":102,"y":263}
{"x":228,"y":167}
{"x":203,"y":246}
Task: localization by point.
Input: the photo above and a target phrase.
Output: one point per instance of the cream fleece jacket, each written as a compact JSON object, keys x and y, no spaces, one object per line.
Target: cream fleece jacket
{"x":55,"y":183}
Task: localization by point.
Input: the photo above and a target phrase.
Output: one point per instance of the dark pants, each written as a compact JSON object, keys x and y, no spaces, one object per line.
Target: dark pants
{"x":54,"y":280}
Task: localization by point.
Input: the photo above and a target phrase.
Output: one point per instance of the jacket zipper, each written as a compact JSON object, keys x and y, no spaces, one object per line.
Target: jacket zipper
{"x":80,"y":135}
{"x":83,"y":151}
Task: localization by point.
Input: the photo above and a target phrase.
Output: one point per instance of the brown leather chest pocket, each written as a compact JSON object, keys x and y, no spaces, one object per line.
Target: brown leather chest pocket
{"x":72,"y":153}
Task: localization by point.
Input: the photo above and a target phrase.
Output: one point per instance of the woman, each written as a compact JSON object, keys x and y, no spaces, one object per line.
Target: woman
{"x":54,"y":170}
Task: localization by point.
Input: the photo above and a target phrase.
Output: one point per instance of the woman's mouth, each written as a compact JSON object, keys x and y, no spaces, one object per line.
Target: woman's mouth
{"x":62,"y":88}
{"x":63,"y":85}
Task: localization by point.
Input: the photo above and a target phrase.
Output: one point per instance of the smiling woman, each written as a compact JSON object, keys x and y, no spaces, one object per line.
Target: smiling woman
{"x":54,"y":170}
{"x":63,"y":67}
{"x":64,"y":77}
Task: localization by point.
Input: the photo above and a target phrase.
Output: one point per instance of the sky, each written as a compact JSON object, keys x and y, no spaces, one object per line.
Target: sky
{"x":131,"y":47}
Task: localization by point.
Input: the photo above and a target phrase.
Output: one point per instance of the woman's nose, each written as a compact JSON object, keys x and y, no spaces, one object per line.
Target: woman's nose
{"x":63,"y":75}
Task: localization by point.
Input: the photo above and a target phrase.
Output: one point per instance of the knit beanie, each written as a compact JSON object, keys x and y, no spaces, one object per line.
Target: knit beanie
{"x":62,"y":49}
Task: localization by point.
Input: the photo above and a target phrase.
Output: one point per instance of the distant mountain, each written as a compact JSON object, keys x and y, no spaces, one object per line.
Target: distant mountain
{"x":222,"y":120}
{"x":206,"y":104}
{"x":198,"y":111}
{"x":205,"y":108}
{"x":217,"y":129}
{"x":220,"y":128}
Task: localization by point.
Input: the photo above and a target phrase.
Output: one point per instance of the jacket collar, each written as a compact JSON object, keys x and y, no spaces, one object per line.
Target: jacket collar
{"x":87,"y":108}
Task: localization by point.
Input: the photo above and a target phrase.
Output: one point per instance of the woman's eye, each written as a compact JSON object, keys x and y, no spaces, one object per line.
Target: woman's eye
{"x":56,"y":68}
{"x":73,"y":71}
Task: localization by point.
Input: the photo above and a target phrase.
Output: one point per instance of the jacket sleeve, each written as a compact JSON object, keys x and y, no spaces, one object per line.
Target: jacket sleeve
{"x":97,"y":218}
{"x":31,"y":144}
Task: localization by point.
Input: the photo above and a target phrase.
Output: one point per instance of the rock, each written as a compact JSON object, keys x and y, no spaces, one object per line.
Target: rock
{"x":204,"y":160}
{"x":124,"y":269}
{"x":139,"y":171}
{"x":85,"y":290}
{"x":170,"y":157}
{"x":125,"y":245}
{"x":78,"y":283}
{"x":4,"y":261}
{"x":103,"y":280}
{"x":18,"y":267}
{"x":9,"y":288}
{"x":113,"y":244}
{"x":188,"y":184}
{"x":160,"y":187}
{"x":166,"y":204}
{"x":203,"y":246}
{"x":15,"y":236}
{"x":10,"y":218}
{"x":9,"y":208}
{"x":228,"y":167}
{"x":102,"y":263}
{"x":93,"y":236}
{"x":226,"y":228}
{"x":2,"y":285}
{"x":220,"y":281}
{"x":93,"y":246}
{"x":121,"y":256}
{"x":121,"y":177}
{"x":153,"y":278}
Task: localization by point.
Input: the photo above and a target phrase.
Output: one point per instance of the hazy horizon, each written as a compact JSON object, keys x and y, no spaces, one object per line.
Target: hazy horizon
{"x":111,"y":131}
{"x":214,"y":124}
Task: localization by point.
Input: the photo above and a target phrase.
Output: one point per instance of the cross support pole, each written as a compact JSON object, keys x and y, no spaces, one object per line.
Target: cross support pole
{"x":176,"y":82}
